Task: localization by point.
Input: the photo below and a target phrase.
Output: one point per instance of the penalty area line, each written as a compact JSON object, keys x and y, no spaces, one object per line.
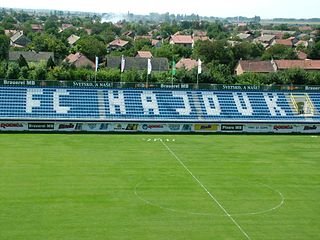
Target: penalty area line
{"x":207,"y":191}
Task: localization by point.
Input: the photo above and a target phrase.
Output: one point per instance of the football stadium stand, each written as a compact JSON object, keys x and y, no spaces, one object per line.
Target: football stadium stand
{"x":67,"y":108}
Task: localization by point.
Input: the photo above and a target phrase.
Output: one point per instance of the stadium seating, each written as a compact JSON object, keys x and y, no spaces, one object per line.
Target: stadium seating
{"x":23,"y":103}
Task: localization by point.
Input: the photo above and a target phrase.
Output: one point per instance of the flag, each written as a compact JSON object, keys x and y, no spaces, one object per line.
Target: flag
{"x":199,"y":66}
{"x":123,"y":63}
{"x":97,"y":63}
{"x":174,"y":68}
{"x":149,"y":66}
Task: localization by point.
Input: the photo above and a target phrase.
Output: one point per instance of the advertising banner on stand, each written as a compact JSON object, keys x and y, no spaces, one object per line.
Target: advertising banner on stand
{"x":41,"y":126}
{"x":309,"y":128}
{"x":284,"y":128}
{"x":231,"y":128}
{"x":65,"y":127}
{"x":206,"y":127}
{"x":13,"y":126}
{"x":153,"y":127}
{"x":258,"y":128}
{"x":123,"y":127}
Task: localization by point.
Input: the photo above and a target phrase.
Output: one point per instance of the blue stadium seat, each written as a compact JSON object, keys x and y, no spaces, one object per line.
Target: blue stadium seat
{"x":23,"y":103}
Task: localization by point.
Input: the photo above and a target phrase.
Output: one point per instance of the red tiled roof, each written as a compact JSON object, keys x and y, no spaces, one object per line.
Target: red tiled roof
{"x":182,"y":39}
{"x":73,"y":57}
{"x":66,"y":25}
{"x":78,"y":59}
{"x":144,"y":54}
{"x":256,"y":66}
{"x":305,"y":28}
{"x":187,"y":63}
{"x":118,"y":42}
{"x":286,"y":42}
{"x":303,"y":64}
{"x":302,"y":55}
{"x":37,"y":27}
{"x":154,"y":42}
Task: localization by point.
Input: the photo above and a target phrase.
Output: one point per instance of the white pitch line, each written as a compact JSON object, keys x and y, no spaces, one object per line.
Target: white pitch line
{"x":207,"y":191}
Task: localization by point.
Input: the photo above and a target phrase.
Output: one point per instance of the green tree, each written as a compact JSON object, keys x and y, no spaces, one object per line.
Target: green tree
{"x":3,"y":69}
{"x":247,"y":50}
{"x":218,"y":51}
{"x":90,"y":46}
{"x":315,"y":51}
{"x":217,"y":31}
{"x":22,"y":61}
{"x":13,"y":71}
{"x":279,"y":51}
{"x":50,"y":63}
{"x":4,"y":47}
{"x":51,"y":26}
{"x":24,"y":72}
{"x":38,"y":72}
{"x":49,"y":43}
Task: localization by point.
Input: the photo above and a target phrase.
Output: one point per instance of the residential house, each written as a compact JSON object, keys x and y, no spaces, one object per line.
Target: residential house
{"x":79,"y":60}
{"x":265,"y":40}
{"x":314,"y":33}
{"x":129,"y":34}
{"x":308,"y":65}
{"x":88,"y":31}
{"x":242,"y":24}
{"x":73,"y":39}
{"x":302,"y":43}
{"x":10,"y":32}
{"x":200,"y":38}
{"x":19,"y":40}
{"x":65,"y":26}
{"x":36,"y":27}
{"x":245,"y":36}
{"x":117,"y":44}
{"x":183,"y":40}
{"x":144,"y":54}
{"x":187,"y":63}
{"x":245,"y":66}
{"x":156,"y":43}
{"x":302,"y":55}
{"x":132,"y":63}
{"x":302,"y":36}
{"x":199,"y":33}
{"x":285,"y":42}
{"x":31,"y":56}
{"x":278,"y":34}
{"x":305,"y":28}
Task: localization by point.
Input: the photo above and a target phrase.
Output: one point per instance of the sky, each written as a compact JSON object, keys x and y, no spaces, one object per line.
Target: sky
{"x":217,"y":8}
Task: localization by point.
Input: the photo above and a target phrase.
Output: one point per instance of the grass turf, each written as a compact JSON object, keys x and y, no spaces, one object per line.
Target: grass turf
{"x":132,"y":187}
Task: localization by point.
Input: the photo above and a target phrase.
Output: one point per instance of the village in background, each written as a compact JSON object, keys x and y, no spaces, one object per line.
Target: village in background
{"x":163,"y":48}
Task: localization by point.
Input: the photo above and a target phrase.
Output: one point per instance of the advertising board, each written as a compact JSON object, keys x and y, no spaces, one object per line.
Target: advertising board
{"x":206,"y":127}
{"x":258,"y":128}
{"x":12,"y":126}
{"x":41,"y":126}
{"x":231,"y":128}
{"x":65,"y":126}
{"x":284,"y":128}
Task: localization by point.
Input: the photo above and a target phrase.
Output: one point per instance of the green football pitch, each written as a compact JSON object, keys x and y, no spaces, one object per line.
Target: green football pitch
{"x":168,"y":187}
